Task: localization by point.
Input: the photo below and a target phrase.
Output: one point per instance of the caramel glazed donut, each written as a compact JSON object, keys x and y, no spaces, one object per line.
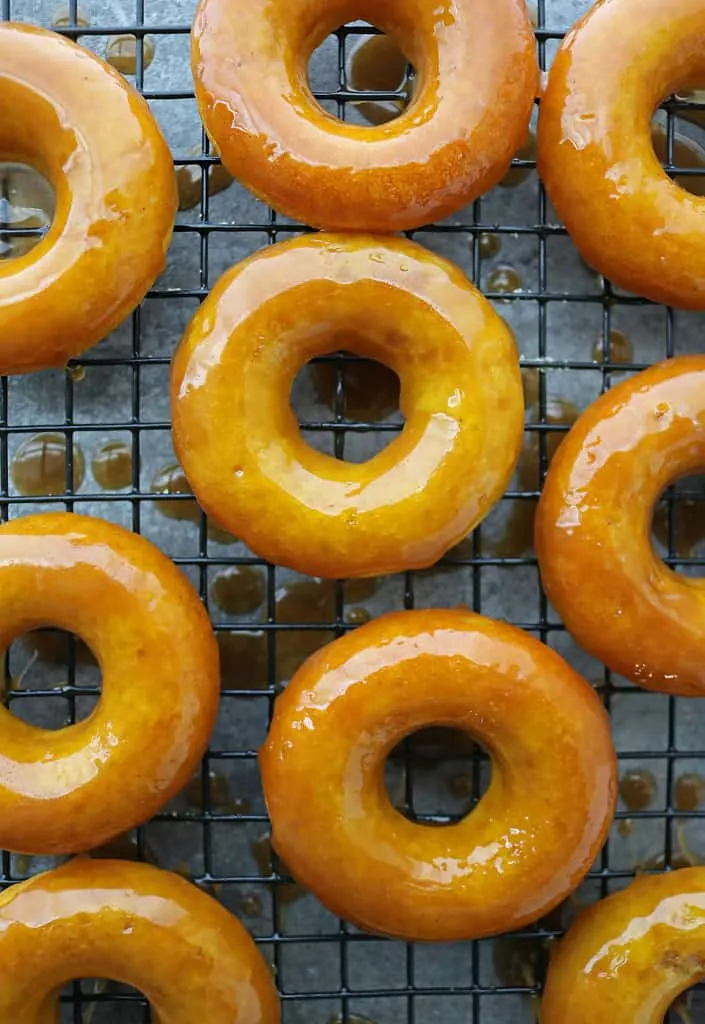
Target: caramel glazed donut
{"x":135,"y":924}
{"x":72,"y":789}
{"x":388,"y":299}
{"x":595,"y":154}
{"x":620,"y":602}
{"x":528,"y":842}
{"x":627,"y":958}
{"x":477,"y":79}
{"x":78,"y":122}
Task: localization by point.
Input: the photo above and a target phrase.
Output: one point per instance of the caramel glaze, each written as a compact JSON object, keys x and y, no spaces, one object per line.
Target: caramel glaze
{"x":593,"y":524}
{"x":139,"y":925}
{"x":477,"y":77}
{"x":240,"y":444}
{"x":39,"y":465}
{"x":689,"y":792}
{"x":595,"y":154}
{"x":189,"y":180}
{"x":262,"y":852}
{"x":171,"y":479}
{"x":629,"y":956}
{"x":524,"y":847}
{"x":121,"y":53}
{"x":112,"y":465}
{"x":619,"y":348}
{"x":68,"y":790}
{"x":115,"y":198}
{"x":637,"y":789}
{"x":239,"y":590}
{"x":243,"y":655}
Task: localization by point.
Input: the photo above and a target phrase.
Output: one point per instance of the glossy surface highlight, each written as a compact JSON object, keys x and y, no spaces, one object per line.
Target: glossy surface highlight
{"x":75,"y":119}
{"x":628,"y":957}
{"x":72,"y":789}
{"x":387,"y":299}
{"x":135,"y":924}
{"x":593,"y":528}
{"x":477,"y":77}
{"x":595,"y":155}
{"x":524,"y":847}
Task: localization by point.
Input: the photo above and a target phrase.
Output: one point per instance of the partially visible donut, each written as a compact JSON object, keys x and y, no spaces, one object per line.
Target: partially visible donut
{"x":136,"y":924}
{"x":74,"y":118}
{"x":477,"y":79}
{"x":67,"y":790}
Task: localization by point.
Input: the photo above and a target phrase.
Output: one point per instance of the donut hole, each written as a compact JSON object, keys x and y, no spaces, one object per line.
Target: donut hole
{"x":678,"y":146}
{"x":678,"y":525}
{"x":359,"y":397}
{"x":50,"y":678}
{"x":437,"y":775}
{"x":27,"y":204}
{"x":105,"y":1001}
{"x":374,"y":65}
{"x":688,"y":1008}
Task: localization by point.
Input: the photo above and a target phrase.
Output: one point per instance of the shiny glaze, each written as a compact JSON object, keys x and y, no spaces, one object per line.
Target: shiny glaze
{"x":477,"y":77}
{"x":68,"y":790}
{"x":595,"y":154}
{"x":593,"y":528}
{"x":530,"y":839}
{"x":136,"y":924}
{"x":239,"y":442}
{"x":73,"y":117}
{"x":629,"y":956}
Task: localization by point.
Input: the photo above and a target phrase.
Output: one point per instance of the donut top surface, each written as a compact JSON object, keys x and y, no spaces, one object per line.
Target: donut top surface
{"x":477,"y":77}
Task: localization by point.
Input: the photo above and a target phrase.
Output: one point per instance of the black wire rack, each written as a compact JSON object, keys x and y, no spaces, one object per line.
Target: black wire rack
{"x":406,"y":990}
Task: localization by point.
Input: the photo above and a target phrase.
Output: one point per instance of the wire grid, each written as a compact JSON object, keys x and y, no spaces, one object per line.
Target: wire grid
{"x":413,"y":1000}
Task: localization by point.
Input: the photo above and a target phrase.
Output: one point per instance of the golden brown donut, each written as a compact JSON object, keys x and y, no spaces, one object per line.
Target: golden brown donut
{"x":524,"y":847}
{"x":72,"y":789}
{"x":477,"y":79}
{"x":136,"y":924}
{"x":595,"y":155}
{"x":628,"y":957}
{"x":79,"y":123}
{"x":593,"y":528}
{"x":388,"y":299}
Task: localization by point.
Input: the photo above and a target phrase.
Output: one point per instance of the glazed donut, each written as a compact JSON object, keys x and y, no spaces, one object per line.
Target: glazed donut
{"x":477,"y":79}
{"x":136,"y":924}
{"x":76,"y":120}
{"x":595,"y":154}
{"x":620,"y":602}
{"x":73,"y":789}
{"x":388,"y":299}
{"x":524,"y":847}
{"x":628,"y":957}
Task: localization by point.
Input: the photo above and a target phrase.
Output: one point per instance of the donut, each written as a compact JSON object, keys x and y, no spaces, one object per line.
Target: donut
{"x":72,"y":789}
{"x":477,"y":79}
{"x":78,"y":122}
{"x":525,"y":846}
{"x":620,"y":602}
{"x":387,"y":299}
{"x":628,"y":957}
{"x":136,"y":924}
{"x":595,"y":155}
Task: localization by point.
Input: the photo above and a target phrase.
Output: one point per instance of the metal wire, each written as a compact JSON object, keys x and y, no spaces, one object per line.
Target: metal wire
{"x":475,"y":993}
